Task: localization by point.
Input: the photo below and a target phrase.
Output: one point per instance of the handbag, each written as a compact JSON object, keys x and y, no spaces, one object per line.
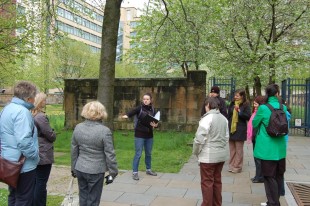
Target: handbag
{"x":10,"y":171}
{"x":69,"y":199}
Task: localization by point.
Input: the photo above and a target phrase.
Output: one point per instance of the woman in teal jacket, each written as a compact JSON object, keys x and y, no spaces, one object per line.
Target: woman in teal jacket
{"x":271,"y":150}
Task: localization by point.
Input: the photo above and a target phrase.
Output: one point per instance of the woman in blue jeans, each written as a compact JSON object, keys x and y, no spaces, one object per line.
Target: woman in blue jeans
{"x":143,"y":135}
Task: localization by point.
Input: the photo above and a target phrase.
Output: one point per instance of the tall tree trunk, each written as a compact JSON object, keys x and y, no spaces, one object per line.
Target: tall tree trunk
{"x":247,"y":92}
{"x":108,"y":56}
{"x":258,"y":86}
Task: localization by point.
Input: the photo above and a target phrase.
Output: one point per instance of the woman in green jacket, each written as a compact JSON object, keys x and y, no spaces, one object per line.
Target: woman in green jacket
{"x":271,"y":150}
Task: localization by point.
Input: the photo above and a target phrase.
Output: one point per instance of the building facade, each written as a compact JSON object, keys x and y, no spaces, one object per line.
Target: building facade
{"x":82,"y":21}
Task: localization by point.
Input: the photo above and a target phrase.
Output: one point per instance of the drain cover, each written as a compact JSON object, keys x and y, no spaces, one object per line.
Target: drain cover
{"x":301,"y":193}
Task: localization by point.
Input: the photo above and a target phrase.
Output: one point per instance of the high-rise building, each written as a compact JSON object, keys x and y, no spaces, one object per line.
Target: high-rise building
{"x":82,"y":21}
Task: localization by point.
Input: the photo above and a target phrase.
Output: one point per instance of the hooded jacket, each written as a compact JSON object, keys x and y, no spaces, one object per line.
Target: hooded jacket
{"x":18,"y":134}
{"x":267,"y":147}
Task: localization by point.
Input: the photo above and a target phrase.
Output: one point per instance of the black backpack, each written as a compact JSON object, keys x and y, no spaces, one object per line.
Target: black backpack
{"x":278,"y":125}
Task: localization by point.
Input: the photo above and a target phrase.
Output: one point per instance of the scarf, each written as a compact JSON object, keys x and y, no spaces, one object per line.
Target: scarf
{"x":234,"y":120}
{"x":249,"y":131}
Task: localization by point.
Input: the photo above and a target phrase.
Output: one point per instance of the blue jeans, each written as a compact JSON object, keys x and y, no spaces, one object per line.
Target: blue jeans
{"x":147,"y":143}
{"x":23,"y":194}
{"x":40,"y":192}
{"x":90,"y":188}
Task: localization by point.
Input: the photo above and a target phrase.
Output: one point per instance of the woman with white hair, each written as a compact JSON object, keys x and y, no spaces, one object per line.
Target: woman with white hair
{"x":92,"y":154}
{"x":46,"y":136}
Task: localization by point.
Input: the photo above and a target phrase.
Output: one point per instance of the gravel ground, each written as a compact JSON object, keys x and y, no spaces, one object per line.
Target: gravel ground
{"x":58,"y":182}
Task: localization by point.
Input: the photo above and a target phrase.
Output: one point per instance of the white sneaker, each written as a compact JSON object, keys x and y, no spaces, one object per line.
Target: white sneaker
{"x":263,"y":204}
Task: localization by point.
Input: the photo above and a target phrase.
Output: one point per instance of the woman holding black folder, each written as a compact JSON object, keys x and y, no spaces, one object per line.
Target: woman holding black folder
{"x":143,"y":135}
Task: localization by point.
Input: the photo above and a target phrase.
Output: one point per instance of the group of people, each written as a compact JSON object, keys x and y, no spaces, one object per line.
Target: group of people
{"x":25,"y":130}
{"x":222,"y":131}
{"x":221,"y":135}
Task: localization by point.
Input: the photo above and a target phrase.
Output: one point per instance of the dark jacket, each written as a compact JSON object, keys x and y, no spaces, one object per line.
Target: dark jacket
{"x":143,"y":131}
{"x":243,"y":116}
{"x":222,"y":107}
{"x":46,"y":137}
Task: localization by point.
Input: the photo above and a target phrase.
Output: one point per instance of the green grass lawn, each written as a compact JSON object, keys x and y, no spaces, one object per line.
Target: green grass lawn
{"x":52,"y":200}
{"x":170,"y":149}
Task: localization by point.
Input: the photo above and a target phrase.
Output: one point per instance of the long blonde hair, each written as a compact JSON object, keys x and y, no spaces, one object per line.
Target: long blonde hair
{"x":40,"y":97}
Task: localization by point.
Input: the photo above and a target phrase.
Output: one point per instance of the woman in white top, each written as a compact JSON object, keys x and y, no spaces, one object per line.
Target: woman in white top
{"x":210,"y":146}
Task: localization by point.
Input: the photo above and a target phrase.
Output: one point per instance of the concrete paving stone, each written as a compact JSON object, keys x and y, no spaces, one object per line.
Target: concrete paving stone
{"x":227,"y":196}
{"x":306,"y":165}
{"x":258,"y":188}
{"x":303,"y":172}
{"x":193,"y":194}
{"x":243,"y":180}
{"x":294,"y":164}
{"x":169,"y":201}
{"x":290,"y":171}
{"x":177,"y":176}
{"x":166,"y":192}
{"x":153,"y":182}
{"x":183,"y":184}
{"x":297,"y":177}
{"x":244,"y":198}
{"x":227,"y":180}
{"x":103,"y":203}
{"x":197,"y":178}
{"x":122,"y":187}
{"x":242,"y":188}
{"x":136,"y":199}
{"x":110,"y":196}
{"x":234,"y":204}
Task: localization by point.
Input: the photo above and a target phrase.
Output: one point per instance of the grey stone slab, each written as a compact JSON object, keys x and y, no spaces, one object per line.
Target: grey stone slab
{"x":173,"y":176}
{"x":169,"y":201}
{"x":193,"y":194}
{"x":121,"y":187}
{"x":136,"y":199}
{"x":183,"y":184}
{"x":227,"y":196}
{"x":110,"y":196}
{"x":166,"y":192}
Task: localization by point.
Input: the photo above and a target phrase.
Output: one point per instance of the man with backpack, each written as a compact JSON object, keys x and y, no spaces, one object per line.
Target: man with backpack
{"x":271,"y":127}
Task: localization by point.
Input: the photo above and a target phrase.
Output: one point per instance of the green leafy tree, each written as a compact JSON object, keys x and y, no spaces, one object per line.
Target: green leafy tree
{"x":67,"y":58}
{"x":173,"y":34}
{"x":15,"y":39}
{"x":262,"y":40}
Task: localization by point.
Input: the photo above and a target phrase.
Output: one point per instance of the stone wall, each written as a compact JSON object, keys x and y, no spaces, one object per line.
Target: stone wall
{"x":178,"y":99}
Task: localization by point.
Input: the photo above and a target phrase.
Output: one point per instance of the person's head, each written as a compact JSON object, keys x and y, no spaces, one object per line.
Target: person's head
{"x":94,"y":111}
{"x":240,"y":95}
{"x":211,"y":103}
{"x":215,"y":91}
{"x":39,"y":102}
{"x":272,"y":90}
{"x":147,"y":99}
{"x":26,"y":91}
{"x":258,"y":101}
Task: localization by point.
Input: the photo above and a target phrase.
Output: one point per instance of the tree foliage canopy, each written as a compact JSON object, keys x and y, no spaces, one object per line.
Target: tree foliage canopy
{"x":250,"y":40}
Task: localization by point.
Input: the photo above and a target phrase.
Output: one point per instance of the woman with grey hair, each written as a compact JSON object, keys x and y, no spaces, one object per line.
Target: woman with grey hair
{"x":46,"y":136}
{"x":92,"y":154}
{"x":19,"y":137}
